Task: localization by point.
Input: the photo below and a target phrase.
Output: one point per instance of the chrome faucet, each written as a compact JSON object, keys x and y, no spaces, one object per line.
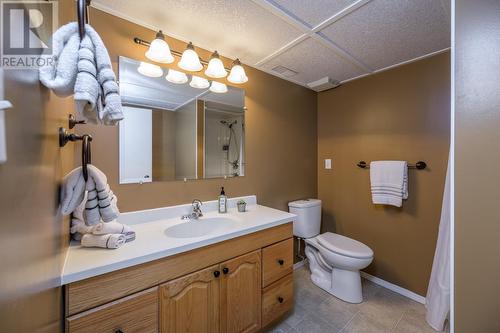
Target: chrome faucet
{"x":196,"y":213}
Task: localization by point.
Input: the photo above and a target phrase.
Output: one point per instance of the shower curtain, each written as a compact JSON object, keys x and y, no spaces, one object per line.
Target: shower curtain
{"x":438,"y":292}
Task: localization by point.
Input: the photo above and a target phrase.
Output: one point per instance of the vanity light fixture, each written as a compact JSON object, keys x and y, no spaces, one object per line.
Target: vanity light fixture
{"x":215,"y":67}
{"x":237,"y":74}
{"x":199,"y":82}
{"x":190,"y":60}
{"x":159,"y":51}
{"x":149,"y":70}
{"x":176,"y":77}
{"x":218,"y":87}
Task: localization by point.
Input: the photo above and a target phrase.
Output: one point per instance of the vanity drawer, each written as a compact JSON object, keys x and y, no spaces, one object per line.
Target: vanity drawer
{"x":277,"y":299}
{"x":135,"y":313}
{"x":277,"y":261}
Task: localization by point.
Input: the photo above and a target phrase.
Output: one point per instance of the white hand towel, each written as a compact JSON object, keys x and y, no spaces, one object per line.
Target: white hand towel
{"x":78,"y":226}
{"x":389,"y":182}
{"x":90,"y":201}
{"x":110,"y":241}
{"x":112,"y":227}
{"x":72,"y":191}
{"x":83,"y":67}
{"x":96,"y":92}
{"x":60,"y":72}
{"x":101,"y":203}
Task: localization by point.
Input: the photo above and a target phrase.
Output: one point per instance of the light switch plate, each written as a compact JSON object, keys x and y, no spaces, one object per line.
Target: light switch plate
{"x":328,"y":163}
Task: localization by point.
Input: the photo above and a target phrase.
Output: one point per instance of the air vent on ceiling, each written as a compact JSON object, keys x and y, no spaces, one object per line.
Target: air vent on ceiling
{"x":284,"y":71}
{"x":323,"y":84}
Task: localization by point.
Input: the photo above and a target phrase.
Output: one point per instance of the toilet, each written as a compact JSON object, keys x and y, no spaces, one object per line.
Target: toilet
{"x":334,"y":260}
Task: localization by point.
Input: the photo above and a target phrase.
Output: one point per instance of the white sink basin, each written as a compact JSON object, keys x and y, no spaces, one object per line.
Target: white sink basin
{"x":199,"y":228}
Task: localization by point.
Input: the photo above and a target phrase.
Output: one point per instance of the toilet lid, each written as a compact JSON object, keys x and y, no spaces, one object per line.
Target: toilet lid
{"x":344,"y":245}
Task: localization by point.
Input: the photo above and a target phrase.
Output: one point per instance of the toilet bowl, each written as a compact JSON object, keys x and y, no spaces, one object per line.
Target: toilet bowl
{"x":334,"y":260}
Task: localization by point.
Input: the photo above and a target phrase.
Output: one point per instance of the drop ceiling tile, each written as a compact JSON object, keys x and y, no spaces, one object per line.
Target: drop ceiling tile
{"x":313,"y":61}
{"x":386,"y":32}
{"x":312,"y":12}
{"x":236,"y":28}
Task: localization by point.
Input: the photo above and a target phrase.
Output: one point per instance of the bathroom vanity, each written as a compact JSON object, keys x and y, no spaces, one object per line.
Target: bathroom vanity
{"x":221,"y":273}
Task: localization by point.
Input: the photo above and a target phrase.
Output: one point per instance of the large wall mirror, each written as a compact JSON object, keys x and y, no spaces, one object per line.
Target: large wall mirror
{"x":177,"y":132}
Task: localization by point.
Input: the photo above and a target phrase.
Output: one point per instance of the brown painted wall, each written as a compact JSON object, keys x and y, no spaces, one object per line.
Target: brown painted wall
{"x":163,"y":145}
{"x":33,"y":237}
{"x":281,"y":136}
{"x":400,"y":114}
{"x":477,"y":138}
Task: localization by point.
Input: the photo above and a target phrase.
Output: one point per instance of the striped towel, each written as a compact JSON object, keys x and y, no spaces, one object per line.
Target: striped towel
{"x":389,"y":182}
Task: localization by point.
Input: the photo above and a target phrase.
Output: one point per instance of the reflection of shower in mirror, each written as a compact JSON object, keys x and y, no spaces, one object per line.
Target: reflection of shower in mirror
{"x":232,"y":146}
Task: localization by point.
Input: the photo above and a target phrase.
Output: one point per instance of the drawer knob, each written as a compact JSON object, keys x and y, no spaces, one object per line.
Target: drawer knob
{"x":216,"y":274}
{"x":225,"y":270}
{"x":281,"y":262}
{"x":280,"y":299}
{"x":119,"y":331}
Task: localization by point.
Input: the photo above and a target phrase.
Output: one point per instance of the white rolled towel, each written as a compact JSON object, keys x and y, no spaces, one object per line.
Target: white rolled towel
{"x":112,"y":227}
{"x":109,"y":241}
{"x":78,"y":226}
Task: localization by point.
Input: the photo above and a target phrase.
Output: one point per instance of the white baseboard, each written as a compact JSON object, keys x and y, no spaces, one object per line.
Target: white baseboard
{"x":299,"y":264}
{"x":395,"y":288}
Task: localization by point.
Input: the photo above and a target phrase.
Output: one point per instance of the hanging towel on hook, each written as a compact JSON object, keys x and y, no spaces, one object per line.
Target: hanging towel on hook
{"x":97,"y":94}
{"x":83,"y":67}
{"x":100,"y":203}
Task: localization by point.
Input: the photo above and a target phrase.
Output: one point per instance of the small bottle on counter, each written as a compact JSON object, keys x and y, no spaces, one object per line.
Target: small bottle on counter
{"x":222,"y":201}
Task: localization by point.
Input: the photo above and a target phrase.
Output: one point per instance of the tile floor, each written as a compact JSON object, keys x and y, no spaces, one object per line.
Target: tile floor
{"x":316,"y":311}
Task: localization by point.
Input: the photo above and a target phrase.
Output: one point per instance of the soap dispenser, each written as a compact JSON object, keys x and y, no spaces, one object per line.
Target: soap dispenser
{"x":222,"y":201}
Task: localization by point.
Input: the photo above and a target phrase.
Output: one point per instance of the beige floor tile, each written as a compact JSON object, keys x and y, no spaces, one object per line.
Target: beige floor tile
{"x":381,"y":311}
{"x":385,"y":307}
{"x":313,"y":324}
{"x":296,"y":315}
{"x":369,"y":289}
{"x":361,"y":323}
{"x":336,"y":312}
{"x":413,"y":321}
{"x":281,"y":327}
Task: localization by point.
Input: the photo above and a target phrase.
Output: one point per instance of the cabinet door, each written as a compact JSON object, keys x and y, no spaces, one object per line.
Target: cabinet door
{"x":190,"y":304}
{"x":241,"y":294}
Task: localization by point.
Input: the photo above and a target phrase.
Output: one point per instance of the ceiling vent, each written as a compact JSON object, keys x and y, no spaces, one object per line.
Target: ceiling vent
{"x":282,"y":70}
{"x":323,"y":84}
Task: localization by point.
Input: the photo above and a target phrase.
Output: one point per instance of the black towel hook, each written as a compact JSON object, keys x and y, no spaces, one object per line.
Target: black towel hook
{"x":65,"y":137}
{"x":83,"y":17}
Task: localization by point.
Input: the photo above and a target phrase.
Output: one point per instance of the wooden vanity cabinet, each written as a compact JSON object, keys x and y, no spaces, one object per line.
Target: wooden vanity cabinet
{"x":223,"y":298}
{"x":241,"y":294}
{"x":191,"y":303}
{"x":236,"y":286}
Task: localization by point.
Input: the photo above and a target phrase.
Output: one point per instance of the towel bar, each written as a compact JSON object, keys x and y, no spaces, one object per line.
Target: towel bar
{"x":420,"y":165}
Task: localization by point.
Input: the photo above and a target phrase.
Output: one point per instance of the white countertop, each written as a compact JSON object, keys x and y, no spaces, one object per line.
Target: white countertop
{"x":152,"y":243}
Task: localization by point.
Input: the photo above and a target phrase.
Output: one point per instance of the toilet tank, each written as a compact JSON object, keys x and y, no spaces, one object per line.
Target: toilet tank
{"x":308,"y":221}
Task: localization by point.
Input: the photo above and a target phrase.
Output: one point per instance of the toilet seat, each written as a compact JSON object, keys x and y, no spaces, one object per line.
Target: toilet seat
{"x":344,"y":246}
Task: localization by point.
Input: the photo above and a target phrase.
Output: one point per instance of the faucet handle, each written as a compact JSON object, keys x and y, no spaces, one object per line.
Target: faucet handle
{"x":197,"y":203}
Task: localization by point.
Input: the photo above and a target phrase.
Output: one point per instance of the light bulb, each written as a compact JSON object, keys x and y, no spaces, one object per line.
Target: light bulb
{"x":199,"y":82}
{"x":237,"y":74}
{"x":159,"y":51}
{"x":215,"y":67}
{"x":190,"y":60}
{"x":150,"y":70}
{"x":176,"y":77}
{"x":218,"y":87}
